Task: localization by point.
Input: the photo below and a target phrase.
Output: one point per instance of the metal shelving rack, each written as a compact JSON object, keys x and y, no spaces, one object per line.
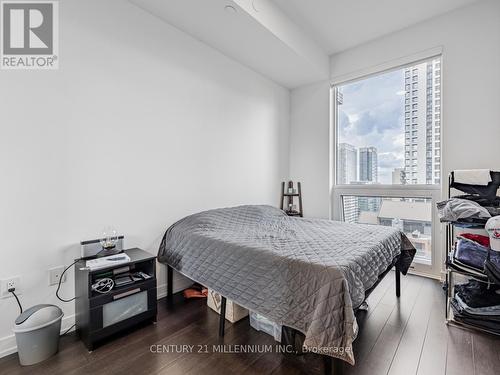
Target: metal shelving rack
{"x":450,"y":272}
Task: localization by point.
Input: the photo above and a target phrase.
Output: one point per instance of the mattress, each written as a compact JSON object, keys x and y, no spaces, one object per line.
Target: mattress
{"x":307,"y":274}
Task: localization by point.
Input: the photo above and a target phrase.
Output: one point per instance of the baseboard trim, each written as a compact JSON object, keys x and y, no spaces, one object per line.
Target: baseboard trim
{"x":424,"y":274}
{"x":7,"y":346}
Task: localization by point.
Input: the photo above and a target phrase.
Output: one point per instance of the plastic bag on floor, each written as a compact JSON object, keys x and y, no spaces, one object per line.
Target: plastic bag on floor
{"x":261,"y":323}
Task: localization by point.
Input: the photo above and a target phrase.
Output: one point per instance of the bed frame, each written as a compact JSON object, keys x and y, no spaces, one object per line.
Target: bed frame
{"x":332,"y":366}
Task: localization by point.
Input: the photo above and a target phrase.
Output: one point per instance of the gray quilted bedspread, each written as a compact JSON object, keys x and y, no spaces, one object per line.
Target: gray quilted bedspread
{"x":307,"y":274}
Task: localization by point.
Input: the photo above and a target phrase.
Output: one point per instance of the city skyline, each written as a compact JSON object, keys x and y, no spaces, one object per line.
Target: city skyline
{"x":372,"y":115}
{"x":396,"y":114}
{"x":348,"y":166}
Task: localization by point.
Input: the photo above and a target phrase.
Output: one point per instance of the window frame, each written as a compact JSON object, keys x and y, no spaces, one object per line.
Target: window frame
{"x":431,"y":191}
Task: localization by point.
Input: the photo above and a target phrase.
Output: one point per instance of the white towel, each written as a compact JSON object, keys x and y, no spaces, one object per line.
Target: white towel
{"x":472,"y":176}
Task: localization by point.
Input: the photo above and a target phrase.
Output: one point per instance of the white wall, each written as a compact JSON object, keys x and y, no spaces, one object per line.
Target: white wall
{"x":140,"y":126}
{"x":470,"y":38}
{"x":309,"y":146}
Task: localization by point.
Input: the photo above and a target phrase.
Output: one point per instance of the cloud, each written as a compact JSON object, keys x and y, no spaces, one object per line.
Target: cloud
{"x":399,"y":140}
{"x":366,"y":124}
{"x":373,"y":115}
{"x":389,"y":160}
{"x":378,"y":120}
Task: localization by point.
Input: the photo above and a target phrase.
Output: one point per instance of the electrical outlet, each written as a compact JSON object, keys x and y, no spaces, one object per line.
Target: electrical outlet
{"x":12,"y":282}
{"x":55,"y":274}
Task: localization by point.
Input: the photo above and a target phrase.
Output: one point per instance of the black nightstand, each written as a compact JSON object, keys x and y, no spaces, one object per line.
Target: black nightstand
{"x":101,"y":315}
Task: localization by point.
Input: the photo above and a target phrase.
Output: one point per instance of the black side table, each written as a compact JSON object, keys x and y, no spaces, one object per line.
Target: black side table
{"x":101,"y":315}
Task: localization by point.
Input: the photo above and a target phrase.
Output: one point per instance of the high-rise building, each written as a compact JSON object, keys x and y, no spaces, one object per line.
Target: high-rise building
{"x":369,"y":204}
{"x":347,"y":164}
{"x":423,"y":123}
{"x":348,"y":173}
{"x":398,"y":176}
{"x":350,"y":208}
{"x":368,"y":164}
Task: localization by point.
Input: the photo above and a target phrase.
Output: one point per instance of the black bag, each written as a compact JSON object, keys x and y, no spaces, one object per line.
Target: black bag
{"x":489,"y":192}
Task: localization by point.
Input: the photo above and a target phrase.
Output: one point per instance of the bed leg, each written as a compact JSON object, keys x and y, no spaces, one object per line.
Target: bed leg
{"x":170,"y":286}
{"x":333,"y":366}
{"x":398,"y":281}
{"x":222,"y":318}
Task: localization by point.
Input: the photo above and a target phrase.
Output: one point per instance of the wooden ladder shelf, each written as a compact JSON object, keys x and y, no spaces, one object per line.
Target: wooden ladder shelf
{"x":288,"y":193}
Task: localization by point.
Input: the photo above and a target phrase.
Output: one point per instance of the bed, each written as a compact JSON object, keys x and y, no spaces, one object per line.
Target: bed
{"x":306,"y":274}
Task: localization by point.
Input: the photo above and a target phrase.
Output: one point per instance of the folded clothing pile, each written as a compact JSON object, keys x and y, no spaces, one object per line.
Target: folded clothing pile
{"x":478,"y":304}
{"x":466,"y":211}
{"x":471,"y":253}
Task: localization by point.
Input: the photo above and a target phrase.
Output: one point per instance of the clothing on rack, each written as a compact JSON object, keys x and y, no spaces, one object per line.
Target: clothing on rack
{"x":472,"y":176}
{"x":469,"y":225}
{"x":477,"y":238}
{"x":494,"y":211}
{"x":452,"y":263}
{"x":489,"y":191}
{"x":477,"y":294}
{"x":492,"y":204}
{"x":493,"y":318}
{"x":490,"y":323}
{"x":473,"y":254}
{"x":477,"y":304}
{"x":462,"y":210}
{"x":492,"y":266}
{"x":477,"y":260}
{"x":457,"y":266}
{"x":487,"y":310}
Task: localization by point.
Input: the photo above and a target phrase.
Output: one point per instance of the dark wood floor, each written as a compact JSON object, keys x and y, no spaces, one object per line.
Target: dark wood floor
{"x":405,"y":336}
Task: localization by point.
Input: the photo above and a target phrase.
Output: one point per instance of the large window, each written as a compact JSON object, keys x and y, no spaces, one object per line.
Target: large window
{"x":388,"y":152}
{"x":383,"y":140}
{"x":412,"y":215}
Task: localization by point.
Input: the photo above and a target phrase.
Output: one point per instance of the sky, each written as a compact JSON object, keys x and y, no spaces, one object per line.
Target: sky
{"x":373,"y":115}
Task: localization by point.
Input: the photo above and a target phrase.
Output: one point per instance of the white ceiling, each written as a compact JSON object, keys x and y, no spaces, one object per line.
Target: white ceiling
{"x":273,"y":46}
{"x":289,"y":41}
{"x":337,"y":25}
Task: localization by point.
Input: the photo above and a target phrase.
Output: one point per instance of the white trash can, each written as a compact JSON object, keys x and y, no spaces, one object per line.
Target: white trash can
{"x":37,"y":333}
